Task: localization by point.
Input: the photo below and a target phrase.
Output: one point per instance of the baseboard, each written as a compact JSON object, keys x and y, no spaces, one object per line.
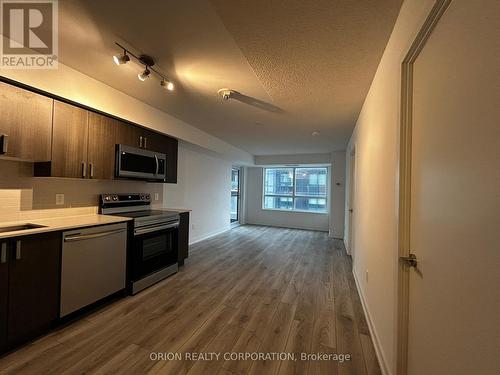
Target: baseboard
{"x":346,"y":248}
{"x":334,"y":236}
{"x":213,"y":234}
{"x":288,"y":226}
{"x":376,"y":342}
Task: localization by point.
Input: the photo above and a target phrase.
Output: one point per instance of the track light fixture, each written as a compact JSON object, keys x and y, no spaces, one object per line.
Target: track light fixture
{"x":167,"y":85}
{"x":121,"y":59}
{"x":148,"y":63}
{"x":144,"y":75}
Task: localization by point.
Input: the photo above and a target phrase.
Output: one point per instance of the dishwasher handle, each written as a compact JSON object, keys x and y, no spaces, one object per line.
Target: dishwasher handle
{"x":82,"y":237}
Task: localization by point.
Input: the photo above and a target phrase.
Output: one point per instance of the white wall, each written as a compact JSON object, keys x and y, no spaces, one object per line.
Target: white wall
{"x":256,"y":215}
{"x":375,"y":220}
{"x":293,"y":159}
{"x":203,"y":186}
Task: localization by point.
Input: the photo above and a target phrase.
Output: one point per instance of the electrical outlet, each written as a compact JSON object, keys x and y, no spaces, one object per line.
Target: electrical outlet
{"x":366,"y":275}
{"x":157,"y":196}
{"x":59,"y":199}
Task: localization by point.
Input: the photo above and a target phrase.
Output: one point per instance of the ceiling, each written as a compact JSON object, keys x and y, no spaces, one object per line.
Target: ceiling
{"x":298,"y":66}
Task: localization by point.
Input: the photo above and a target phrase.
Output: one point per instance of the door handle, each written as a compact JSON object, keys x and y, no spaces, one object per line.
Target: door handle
{"x":18,"y":250}
{"x":91,"y":165}
{"x":350,"y":210}
{"x":410,"y":260}
{"x":4,"y":138}
{"x":140,"y":141}
{"x":145,"y":142}
{"x":3,"y":255}
{"x":84,"y":169}
{"x":157,"y":164}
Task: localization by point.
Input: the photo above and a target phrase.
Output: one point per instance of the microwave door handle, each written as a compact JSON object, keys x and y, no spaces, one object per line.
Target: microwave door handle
{"x":157,"y":165}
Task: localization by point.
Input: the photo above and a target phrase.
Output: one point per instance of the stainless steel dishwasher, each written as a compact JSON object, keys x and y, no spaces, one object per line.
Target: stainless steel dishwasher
{"x":93,"y":265}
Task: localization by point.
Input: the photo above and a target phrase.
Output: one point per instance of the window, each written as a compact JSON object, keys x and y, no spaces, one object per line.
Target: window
{"x":295,"y":189}
{"x":235,"y":194}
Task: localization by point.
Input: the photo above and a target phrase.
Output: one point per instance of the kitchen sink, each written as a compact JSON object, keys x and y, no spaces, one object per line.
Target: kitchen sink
{"x":14,"y":228}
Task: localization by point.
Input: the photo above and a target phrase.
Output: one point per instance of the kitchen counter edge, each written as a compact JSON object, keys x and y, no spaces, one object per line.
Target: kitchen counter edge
{"x":61,"y":223}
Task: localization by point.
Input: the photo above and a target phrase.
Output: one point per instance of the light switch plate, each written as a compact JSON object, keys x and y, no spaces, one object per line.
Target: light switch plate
{"x":59,"y":199}
{"x":157,"y":196}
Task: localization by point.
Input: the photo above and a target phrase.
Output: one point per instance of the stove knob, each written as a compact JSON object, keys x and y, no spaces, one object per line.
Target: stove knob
{"x":143,"y":197}
{"x":115,"y":198}
{"x":107,"y":198}
{"x":148,"y":196}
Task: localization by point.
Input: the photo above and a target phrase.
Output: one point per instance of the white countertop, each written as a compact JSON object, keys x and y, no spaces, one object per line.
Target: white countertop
{"x":179,"y":210}
{"x":53,"y":224}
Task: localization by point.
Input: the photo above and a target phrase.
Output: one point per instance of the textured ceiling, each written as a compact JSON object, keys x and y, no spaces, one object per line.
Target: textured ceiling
{"x":299,"y":66}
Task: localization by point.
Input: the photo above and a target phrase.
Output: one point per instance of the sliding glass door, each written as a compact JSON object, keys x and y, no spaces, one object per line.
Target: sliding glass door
{"x":235,"y":195}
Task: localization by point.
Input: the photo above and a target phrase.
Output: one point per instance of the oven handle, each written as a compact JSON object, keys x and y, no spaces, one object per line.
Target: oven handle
{"x":155,"y":228}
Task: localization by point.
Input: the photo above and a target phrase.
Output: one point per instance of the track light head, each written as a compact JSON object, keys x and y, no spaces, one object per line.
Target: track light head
{"x":144,"y":75}
{"x":121,"y":59}
{"x":167,"y":85}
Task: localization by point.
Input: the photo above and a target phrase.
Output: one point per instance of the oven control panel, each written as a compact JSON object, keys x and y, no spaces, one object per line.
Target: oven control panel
{"x":125,"y":199}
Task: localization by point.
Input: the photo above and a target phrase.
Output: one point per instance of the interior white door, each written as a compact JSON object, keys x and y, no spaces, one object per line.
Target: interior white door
{"x":454,"y":307}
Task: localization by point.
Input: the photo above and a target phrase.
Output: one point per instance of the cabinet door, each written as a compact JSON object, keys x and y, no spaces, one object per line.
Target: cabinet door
{"x":27,"y":121}
{"x":34,"y":270}
{"x":69,"y":143}
{"x":168,"y":146}
{"x":101,"y":146}
{"x":183,"y":237}
{"x":4,"y":288}
{"x":153,"y":141}
{"x":172,"y":154}
{"x":129,"y":135}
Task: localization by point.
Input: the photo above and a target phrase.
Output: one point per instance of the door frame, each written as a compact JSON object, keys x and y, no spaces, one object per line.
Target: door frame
{"x":239,"y":195}
{"x":405,"y":155}
{"x":352,"y":199}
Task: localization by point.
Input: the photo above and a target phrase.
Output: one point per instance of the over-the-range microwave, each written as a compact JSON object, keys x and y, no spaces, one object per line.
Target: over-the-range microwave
{"x":133,"y":162}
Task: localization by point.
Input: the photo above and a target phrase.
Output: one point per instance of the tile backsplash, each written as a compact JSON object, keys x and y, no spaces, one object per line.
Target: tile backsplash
{"x":20,"y":192}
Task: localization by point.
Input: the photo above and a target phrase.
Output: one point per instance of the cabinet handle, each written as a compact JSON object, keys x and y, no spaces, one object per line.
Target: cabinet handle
{"x":84,"y":169}
{"x":3,"y":256}
{"x":140,"y":141}
{"x":145,"y":142}
{"x":91,"y":165}
{"x":4,"y":138}
{"x":18,"y":250}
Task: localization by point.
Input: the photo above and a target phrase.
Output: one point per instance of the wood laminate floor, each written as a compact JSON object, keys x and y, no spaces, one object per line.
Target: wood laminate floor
{"x":250,"y":290}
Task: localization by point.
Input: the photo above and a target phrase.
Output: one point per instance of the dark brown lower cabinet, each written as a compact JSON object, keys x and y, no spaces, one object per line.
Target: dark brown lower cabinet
{"x":183,"y":237}
{"x":33,"y":286}
{"x":4,"y":294}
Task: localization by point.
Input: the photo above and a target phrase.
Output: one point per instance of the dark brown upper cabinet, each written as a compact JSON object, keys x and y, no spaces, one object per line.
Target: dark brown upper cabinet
{"x":101,"y":146}
{"x":69,"y":141}
{"x":66,"y":140}
{"x":136,"y":136}
{"x":171,"y":150}
{"x":26,"y":121}
{"x":129,"y":135}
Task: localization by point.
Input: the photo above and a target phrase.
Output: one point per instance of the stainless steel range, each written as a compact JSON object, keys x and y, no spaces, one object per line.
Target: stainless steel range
{"x":154,"y":250}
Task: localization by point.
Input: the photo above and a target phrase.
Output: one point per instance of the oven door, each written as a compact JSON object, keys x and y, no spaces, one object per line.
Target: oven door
{"x":155,"y":248}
